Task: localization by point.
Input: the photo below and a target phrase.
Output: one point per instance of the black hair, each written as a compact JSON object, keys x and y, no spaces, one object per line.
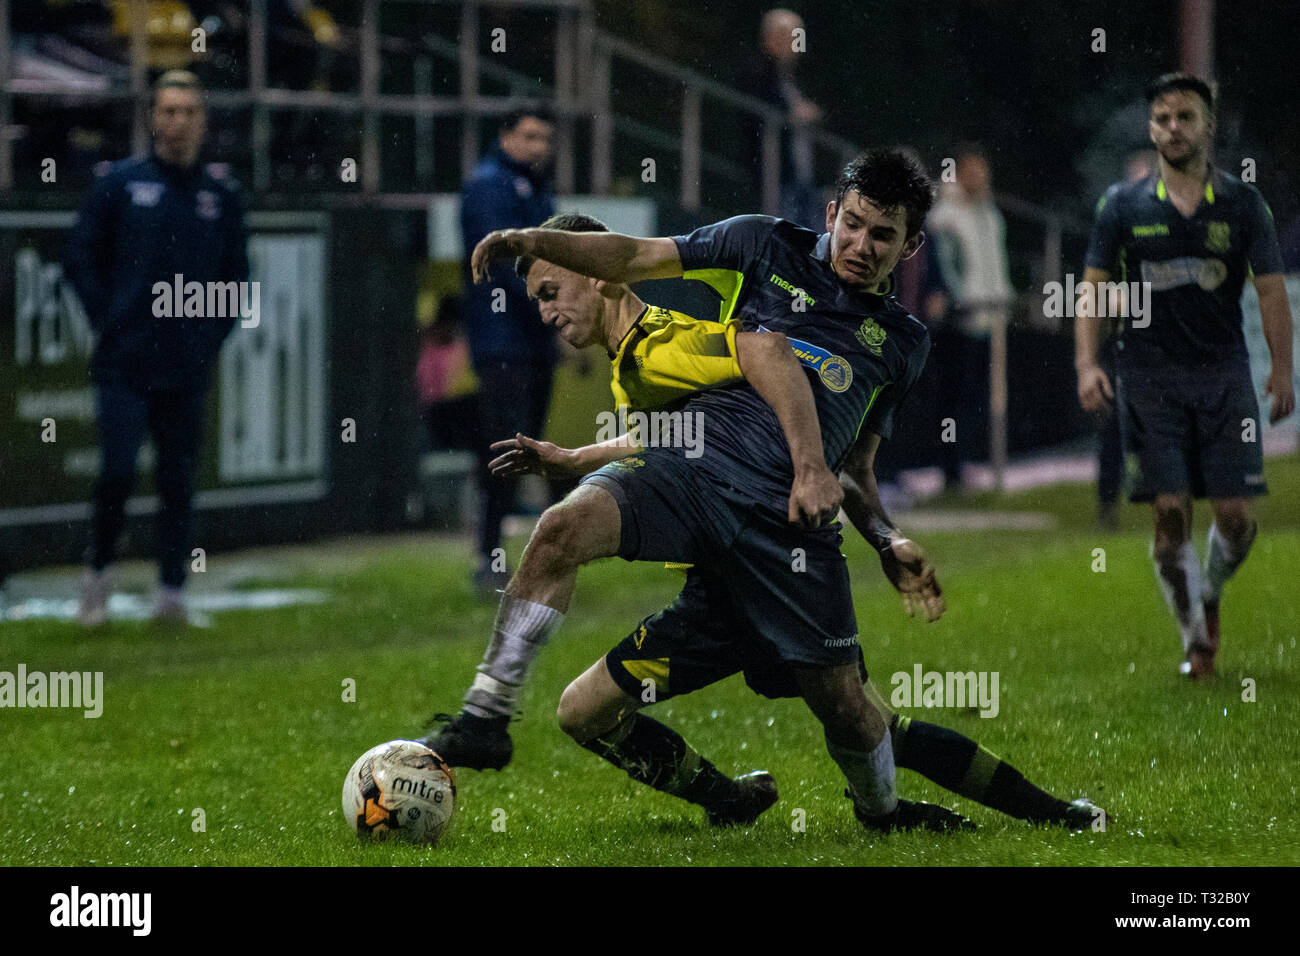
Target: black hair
{"x":565,"y":222}
{"x":891,"y":180}
{"x":535,"y":110}
{"x":1170,"y":82}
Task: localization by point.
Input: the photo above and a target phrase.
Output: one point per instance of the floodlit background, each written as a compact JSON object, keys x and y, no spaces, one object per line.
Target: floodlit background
{"x":351,"y":125}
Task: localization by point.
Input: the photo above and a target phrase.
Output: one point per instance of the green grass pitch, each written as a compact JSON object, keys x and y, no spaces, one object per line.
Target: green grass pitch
{"x":246,"y":720}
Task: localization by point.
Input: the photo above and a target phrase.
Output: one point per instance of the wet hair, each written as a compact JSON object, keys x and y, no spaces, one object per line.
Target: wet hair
{"x":566,"y":222}
{"x":890,"y":179}
{"x":1172,"y":82}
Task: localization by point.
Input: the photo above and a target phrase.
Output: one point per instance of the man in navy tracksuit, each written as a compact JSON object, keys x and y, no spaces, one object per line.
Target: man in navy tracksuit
{"x":144,"y":223}
{"x":512,"y":351}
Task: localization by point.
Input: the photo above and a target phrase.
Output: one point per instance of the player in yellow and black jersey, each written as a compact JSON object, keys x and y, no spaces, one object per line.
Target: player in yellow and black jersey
{"x":658,"y":360}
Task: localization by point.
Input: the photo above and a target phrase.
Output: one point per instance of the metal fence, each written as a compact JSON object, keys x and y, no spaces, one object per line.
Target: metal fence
{"x":592,"y":122}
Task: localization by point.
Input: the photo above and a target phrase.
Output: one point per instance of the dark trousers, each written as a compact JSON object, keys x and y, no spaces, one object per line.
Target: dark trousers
{"x":1110,"y":451}
{"x":174,"y":419}
{"x":452,"y":424}
{"x":513,"y":397}
{"x":963,"y":362}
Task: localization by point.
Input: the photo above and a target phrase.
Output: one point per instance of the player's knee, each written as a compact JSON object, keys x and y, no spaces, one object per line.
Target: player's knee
{"x":845,"y":714}
{"x":1235,"y":522}
{"x":572,"y":714}
{"x":1171,"y":524}
{"x":558,"y":532}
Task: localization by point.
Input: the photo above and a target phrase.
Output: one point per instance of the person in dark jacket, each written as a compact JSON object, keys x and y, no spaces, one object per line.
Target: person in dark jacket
{"x":151,"y":233}
{"x":513,"y":353}
{"x":770,"y":75}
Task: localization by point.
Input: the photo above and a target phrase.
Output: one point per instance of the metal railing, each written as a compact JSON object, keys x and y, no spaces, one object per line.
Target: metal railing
{"x":585,"y":61}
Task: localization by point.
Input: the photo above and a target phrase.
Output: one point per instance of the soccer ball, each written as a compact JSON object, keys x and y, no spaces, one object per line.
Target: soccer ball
{"x":402,"y":790}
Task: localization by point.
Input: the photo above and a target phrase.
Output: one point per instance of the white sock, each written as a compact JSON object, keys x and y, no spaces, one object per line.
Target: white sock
{"x":870,"y":775}
{"x":1222,"y":561}
{"x":521,"y":629}
{"x":1180,"y":582}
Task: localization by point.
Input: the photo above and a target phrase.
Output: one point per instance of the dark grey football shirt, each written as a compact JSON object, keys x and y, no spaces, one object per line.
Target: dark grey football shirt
{"x":1196,"y":265}
{"x":861,"y":352}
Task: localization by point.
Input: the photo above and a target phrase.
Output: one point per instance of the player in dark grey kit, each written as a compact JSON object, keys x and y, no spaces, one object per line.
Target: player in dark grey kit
{"x":1191,"y":234}
{"x":728,"y":510}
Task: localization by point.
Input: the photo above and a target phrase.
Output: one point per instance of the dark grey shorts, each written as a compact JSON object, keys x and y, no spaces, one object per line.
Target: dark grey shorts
{"x":782,"y":585}
{"x":1189,"y":431}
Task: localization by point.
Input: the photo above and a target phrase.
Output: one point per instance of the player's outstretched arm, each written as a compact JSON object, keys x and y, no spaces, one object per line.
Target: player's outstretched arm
{"x":902,"y":559}
{"x":522,"y":455}
{"x":609,"y":256}
{"x":1275,"y":312}
{"x":768,"y":363}
{"x":1095,"y":392}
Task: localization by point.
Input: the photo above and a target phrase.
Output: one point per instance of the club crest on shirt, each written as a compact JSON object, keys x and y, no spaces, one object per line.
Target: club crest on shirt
{"x":1217,"y":237}
{"x":836,"y":373}
{"x":523,"y":187}
{"x":144,"y":193}
{"x":871,"y":335}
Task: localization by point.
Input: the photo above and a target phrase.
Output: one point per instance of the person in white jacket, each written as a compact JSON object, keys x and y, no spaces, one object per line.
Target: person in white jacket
{"x":971,"y":236}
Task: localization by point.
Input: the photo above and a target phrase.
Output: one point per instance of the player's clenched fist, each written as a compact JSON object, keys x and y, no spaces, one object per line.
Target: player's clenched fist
{"x":912,"y":575}
{"x":500,"y":244}
{"x":815,"y":497}
{"x":1095,"y":393}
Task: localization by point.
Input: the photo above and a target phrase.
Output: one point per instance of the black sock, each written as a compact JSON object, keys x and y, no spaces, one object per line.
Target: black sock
{"x":657,"y":756}
{"x":959,"y":764}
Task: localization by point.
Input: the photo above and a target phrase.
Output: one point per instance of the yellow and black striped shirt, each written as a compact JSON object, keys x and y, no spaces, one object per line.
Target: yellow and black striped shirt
{"x":668,"y":356}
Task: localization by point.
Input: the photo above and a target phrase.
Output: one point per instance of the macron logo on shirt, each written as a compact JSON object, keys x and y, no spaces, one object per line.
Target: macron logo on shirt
{"x":792,"y":289}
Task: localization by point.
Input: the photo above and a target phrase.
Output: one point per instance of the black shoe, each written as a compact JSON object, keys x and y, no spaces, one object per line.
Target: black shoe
{"x":480,"y":743}
{"x":757,"y":793}
{"x":912,"y":815}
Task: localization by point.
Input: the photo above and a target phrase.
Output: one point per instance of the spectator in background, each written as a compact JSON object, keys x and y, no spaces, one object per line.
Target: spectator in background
{"x":970,"y":236}
{"x":444,"y":382}
{"x":770,"y":76}
{"x":513,"y":353}
{"x":146,"y":221}
{"x":918,"y":279}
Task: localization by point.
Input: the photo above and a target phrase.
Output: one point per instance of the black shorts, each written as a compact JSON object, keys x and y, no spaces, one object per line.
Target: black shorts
{"x":789,"y":587}
{"x":1195,"y":431}
{"x":698,"y":640}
